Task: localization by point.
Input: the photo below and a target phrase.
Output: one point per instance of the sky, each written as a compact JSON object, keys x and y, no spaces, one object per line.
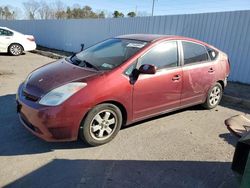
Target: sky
{"x":162,"y":7}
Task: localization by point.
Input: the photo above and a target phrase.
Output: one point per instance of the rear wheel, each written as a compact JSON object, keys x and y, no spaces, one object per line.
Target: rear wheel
{"x":214,"y":96}
{"x":101,"y":125}
{"x":15,"y":49}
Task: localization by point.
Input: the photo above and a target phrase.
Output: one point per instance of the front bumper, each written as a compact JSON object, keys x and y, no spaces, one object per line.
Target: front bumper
{"x":59,"y":123}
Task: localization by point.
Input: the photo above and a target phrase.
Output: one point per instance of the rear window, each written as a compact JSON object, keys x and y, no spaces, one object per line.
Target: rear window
{"x":194,"y":53}
{"x":4,"y":32}
{"x":212,"y":53}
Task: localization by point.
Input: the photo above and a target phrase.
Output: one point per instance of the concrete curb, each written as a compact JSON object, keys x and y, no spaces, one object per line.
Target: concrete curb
{"x":48,"y":54}
{"x":240,"y":101}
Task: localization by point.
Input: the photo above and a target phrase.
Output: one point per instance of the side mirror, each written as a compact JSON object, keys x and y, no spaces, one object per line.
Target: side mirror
{"x":82,"y":47}
{"x":147,"y":69}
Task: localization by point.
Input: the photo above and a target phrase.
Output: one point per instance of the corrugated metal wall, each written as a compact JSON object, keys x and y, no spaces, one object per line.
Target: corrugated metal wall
{"x":229,"y":31}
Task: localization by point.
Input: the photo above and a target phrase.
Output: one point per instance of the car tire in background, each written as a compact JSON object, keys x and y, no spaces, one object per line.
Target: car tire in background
{"x":101,"y":124}
{"x":15,"y":49}
{"x":214,"y":96}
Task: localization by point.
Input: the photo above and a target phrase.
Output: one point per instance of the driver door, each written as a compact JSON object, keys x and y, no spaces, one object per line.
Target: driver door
{"x":161,"y":91}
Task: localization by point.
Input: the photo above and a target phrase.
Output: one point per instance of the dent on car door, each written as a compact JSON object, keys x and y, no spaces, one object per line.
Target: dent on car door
{"x":154,"y":93}
{"x":198,"y":73}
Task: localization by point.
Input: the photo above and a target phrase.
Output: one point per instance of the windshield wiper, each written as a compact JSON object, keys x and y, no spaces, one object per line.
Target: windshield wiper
{"x":78,"y":62}
{"x":91,"y":65}
{"x":71,"y":59}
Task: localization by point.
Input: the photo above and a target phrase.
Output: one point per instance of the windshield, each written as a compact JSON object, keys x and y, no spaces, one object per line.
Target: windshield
{"x":108,"y":54}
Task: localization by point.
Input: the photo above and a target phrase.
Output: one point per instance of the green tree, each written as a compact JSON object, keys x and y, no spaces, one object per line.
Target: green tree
{"x":79,"y":13}
{"x":69,"y":13}
{"x":131,"y":14}
{"x":87,"y":12}
{"x":118,"y":14}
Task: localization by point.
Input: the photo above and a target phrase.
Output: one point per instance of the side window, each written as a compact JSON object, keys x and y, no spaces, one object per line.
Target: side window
{"x":4,"y":32}
{"x":212,"y":53}
{"x":163,"y":55}
{"x":194,"y":53}
{"x":1,"y":32}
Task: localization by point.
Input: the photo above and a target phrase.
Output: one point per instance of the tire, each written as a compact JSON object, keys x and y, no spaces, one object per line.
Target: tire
{"x":15,"y":49}
{"x":214,"y":96}
{"x":101,"y":124}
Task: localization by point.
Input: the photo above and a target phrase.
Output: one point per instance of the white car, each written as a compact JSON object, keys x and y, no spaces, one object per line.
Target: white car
{"x":14,"y":42}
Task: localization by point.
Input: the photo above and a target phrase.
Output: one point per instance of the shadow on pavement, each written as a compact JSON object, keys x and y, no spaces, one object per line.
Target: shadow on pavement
{"x":13,"y":136}
{"x":7,"y":54}
{"x":229,"y":138}
{"x":193,"y":108}
{"x":129,"y":173}
{"x":235,"y":106}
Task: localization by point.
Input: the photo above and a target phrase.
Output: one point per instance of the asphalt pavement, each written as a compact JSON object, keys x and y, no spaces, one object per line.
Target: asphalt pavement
{"x":188,"y":148}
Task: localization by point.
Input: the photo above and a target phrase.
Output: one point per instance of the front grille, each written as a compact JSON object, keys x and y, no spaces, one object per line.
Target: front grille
{"x":30,"y":97}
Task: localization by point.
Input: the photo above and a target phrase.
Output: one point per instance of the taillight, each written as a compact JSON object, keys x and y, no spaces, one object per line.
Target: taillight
{"x":31,"y":39}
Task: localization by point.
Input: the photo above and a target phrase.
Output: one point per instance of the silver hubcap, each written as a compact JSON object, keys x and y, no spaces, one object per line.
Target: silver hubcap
{"x":16,"y":49}
{"x":103,"y":125}
{"x":215,"y":96}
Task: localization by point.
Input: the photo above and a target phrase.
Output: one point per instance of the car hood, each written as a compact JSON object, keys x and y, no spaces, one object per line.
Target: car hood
{"x":53,"y":75}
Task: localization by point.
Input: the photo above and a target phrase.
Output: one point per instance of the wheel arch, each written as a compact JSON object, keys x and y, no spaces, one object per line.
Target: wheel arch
{"x":221,"y":82}
{"x":121,"y":107}
{"x":116,"y":103}
{"x":15,"y":43}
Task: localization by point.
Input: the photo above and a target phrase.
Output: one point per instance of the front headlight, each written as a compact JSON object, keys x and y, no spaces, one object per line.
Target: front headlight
{"x":62,"y":93}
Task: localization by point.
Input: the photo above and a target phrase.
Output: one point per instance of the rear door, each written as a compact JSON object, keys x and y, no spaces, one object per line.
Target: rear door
{"x":198,"y":73}
{"x":5,"y":39}
{"x":161,"y":91}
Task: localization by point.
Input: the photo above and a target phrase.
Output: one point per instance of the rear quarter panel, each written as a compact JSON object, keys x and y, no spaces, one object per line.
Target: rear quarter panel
{"x":21,"y":39}
{"x":222,"y":67}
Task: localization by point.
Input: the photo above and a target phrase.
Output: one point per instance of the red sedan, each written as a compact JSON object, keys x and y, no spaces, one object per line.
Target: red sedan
{"x":117,"y":82}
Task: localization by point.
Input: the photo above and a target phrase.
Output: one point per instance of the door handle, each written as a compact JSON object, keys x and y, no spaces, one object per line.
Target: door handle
{"x":176,"y":77}
{"x":211,"y":70}
{"x":7,"y":37}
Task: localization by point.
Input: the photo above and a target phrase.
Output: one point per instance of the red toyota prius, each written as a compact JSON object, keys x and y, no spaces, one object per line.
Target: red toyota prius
{"x":117,"y":82}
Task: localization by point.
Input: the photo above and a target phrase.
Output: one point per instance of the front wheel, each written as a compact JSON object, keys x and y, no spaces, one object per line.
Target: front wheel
{"x":214,"y":96}
{"x":101,"y":125}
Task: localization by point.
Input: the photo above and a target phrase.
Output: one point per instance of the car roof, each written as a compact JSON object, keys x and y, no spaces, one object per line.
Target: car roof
{"x":143,"y":37}
{"x":156,"y":37}
{"x":4,"y":27}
